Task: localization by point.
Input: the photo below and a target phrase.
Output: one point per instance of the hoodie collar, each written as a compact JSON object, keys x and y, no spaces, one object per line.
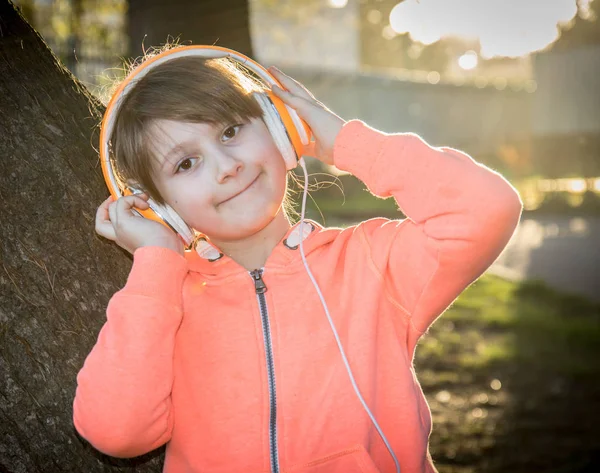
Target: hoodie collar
{"x":206,"y":258}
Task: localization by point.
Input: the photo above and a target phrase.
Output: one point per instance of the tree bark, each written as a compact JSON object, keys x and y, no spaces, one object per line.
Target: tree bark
{"x":56,"y":274}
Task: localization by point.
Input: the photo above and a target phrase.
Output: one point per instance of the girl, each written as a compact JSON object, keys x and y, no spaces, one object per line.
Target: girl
{"x":226,"y":354}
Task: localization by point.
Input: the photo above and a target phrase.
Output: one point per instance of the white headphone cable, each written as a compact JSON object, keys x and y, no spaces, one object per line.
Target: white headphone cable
{"x":337,"y":338}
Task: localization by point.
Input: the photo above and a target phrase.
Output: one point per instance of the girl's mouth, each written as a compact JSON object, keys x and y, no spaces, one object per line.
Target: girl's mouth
{"x":242,"y":191}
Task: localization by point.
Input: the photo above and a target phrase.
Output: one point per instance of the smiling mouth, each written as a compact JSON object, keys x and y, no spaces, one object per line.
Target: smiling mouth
{"x":242,"y":191}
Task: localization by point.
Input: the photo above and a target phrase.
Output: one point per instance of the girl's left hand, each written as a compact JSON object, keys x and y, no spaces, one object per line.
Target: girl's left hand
{"x":324,"y":124}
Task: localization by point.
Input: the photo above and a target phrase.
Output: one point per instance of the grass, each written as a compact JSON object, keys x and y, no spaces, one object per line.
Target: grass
{"x":524,"y":323}
{"x":510,"y":370}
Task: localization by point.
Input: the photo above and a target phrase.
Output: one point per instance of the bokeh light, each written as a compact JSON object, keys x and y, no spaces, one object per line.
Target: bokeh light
{"x":577,"y":185}
{"x":337,"y":3}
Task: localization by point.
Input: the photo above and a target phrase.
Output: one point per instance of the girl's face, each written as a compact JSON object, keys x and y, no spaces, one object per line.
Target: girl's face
{"x":226,"y":181}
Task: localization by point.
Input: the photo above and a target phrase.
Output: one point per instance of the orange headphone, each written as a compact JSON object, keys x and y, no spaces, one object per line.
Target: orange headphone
{"x":288,"y":130}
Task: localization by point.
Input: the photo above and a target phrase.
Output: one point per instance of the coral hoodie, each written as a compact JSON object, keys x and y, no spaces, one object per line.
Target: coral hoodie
{"x":240,"y":371}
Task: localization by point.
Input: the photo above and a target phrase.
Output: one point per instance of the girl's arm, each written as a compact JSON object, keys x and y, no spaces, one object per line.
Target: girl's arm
{"x":461,"y":215}
{"x":122,"y":403}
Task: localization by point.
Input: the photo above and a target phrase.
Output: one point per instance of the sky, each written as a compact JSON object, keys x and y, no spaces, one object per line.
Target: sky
{"x":505,"y":28}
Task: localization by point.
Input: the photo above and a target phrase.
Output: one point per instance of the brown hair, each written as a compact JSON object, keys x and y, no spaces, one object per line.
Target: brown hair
{"x":188,"y":89}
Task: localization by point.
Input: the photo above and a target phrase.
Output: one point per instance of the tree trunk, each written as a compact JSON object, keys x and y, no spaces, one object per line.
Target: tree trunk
{"x":212,"y":22}
{"x":56,"y":274}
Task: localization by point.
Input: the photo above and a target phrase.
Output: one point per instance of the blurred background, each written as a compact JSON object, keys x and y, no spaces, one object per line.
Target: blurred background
{"x":512,"y":82}
{"x":516,"y":84}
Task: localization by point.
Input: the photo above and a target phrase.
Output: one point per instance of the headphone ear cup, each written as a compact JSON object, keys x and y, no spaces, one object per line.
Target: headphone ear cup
{"x":164,"y":214}
{"x":278,"y":131}
{"x":298,"y":130}
{"x":173,"y":220}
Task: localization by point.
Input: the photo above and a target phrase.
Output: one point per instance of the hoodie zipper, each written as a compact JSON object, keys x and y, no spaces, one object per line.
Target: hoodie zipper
{"x":260,"y":289}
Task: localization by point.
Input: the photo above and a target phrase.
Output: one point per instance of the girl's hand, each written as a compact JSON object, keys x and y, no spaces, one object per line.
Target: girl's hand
{"x":324,"y":124}
{"x":116,"y":221}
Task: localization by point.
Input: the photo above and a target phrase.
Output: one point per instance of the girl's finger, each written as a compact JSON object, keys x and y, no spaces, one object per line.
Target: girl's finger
{"x":141,"y":201}
{"x":125,"y":206}
{"x":103,"y":224}
{"x":303,"y":106}
{"x":103,"y":208}
{"x":102,"y":213}
{"x":291,"y":84}
{"x":309,"y":150}
{"x":130,"y":201}
{"x":112,"y":213}
{"x":106,"y":230}
{"x":106,"y":202}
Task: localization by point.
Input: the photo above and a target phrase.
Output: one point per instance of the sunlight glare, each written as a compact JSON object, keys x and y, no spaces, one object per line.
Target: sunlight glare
{"x":468,"y":60}
{"x":505,"y":28}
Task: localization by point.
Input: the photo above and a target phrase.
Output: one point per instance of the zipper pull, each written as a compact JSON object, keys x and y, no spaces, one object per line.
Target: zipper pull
{"x":259,"y":284}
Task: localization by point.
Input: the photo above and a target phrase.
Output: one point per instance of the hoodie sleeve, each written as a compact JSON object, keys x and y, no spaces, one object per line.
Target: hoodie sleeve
{"x":460,"y":216}
{"x":122,"y":403}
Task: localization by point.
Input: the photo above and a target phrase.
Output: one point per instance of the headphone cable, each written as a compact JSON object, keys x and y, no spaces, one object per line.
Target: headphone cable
{"x":337,"y":338}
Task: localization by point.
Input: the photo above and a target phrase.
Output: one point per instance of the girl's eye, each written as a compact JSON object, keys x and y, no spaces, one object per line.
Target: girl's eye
{"x":185,"y":165}
{"x":231,"y":132}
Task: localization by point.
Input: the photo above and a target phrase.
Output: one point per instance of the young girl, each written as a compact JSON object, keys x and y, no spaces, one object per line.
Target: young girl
{"x":227,"y":355}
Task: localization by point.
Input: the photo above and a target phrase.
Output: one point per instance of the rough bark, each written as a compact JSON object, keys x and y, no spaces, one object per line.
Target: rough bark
{"x":56,"y":274}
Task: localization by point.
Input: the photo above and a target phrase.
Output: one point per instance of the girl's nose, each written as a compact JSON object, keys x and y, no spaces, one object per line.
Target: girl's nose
{"x":228,"y":167}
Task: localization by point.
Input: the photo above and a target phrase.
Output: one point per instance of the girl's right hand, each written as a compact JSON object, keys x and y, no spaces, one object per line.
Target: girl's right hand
{"x":117,"y":221}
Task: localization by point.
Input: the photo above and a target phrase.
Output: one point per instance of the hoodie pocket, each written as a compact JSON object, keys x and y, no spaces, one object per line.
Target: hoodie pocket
{"x":354,"y":459}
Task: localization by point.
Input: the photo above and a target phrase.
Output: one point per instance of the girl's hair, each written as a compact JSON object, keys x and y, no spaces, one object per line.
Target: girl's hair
{"x":189,"y":89}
